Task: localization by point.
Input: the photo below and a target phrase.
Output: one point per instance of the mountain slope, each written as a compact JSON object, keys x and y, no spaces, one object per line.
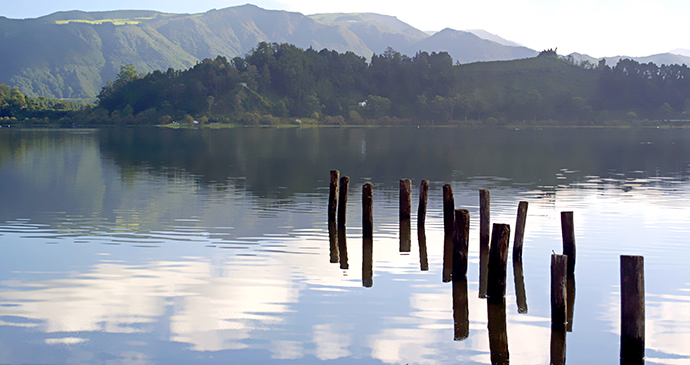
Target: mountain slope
{"x":376,"y":31}
{"x":466,"y":47}
{"x":481,"y":33}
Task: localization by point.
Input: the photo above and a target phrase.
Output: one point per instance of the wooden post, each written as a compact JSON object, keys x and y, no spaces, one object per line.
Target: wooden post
{"x":632,"y":309}
{"x":342,"y":201}
{"x":405,"y":199}
{"x":484,"y":238}
{"x":448,"y":225}
{"x":520,"y":292}
{"x":423,"y":258}
{"x":568,"y":232}
{"x":559,"y":281}
{"x":448,"y":210}
{"x":333,"y":195}
{"x":498,"y":258}
{"x":367,"y":235}
{"x":368,"y":210}
{"x":461,"y":235}
{"x":421,"y":232}
{"x":405,"y":215}
{"x":498,"y":331}
{"x":519,"y":229}
{"x":421,"y":211}
{"x":342,"y":213}
{"x":461,"y":312}
{"x":405,"y":236}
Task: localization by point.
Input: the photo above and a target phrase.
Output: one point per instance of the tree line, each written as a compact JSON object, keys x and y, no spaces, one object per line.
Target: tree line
{"x":281,"y":83}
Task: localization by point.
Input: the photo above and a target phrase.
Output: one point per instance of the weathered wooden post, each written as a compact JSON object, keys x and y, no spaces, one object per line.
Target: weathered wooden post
{"x":498,"y":331}
{"x":498,"y":259}
{"x":333,"y":195}
{"x":421,"y":218}
{"x":632,"y":309}
{"x":568,"y":232}
{"x":423,"y":197}
{"x":448,"y":225}
{"x":461,"y":235}
{"x":405,"y":199}
{"x":342,"y":213}
{"x":520,"y":292}
{"x":448,"y":210}
{"x":367,"y":234}
{"x":484,"y":238}
{"x":405,"y":215}
{"x":461,"y":312}
{"x":519,"y":230}
{"x":559,"y":281}
{"x":342,"y":201}
{"x":368,"y":210}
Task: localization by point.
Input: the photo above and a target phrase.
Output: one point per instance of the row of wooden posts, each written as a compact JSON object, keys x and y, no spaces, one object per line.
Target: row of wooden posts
{"x":493,"y":254}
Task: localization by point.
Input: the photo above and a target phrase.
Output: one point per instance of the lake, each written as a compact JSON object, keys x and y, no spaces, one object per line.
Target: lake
{"x":159,"y":246}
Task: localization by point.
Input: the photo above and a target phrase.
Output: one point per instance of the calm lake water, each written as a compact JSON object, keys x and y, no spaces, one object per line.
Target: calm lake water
{"x":156,"y":246}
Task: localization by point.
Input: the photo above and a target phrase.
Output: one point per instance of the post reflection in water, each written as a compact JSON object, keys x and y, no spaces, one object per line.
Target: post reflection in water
{"x":519,"y":285}
{"x":333,"y":239}
{"x":498,"y":332}
{"x":447,"y":257}
{"x":461,"y":311}
{"x":342,"y":248}
{"x":423,"y":259}
{"x":570,"y":308}
{"x":367,"y":262}
{"x":557,"y":345}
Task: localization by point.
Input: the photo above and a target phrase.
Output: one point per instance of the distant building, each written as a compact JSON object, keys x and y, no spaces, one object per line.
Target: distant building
{"x":362,"y":103}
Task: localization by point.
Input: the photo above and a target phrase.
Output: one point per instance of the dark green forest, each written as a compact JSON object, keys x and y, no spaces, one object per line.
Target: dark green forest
{"x":283,"y":84}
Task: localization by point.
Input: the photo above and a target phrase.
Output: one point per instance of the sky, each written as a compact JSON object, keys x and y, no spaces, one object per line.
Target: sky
{"x":598,"y":28}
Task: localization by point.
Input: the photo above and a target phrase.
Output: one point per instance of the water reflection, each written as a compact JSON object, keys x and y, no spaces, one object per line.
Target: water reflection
{"x":520,"y":294}
{"x":498,"y":332}
{"x":557,"y":345}
{"x":342,"y":248}
{"x":423,"y":255}
{"x":125,"y":245}
{"x":333,"y":234}
{"x":461,"y":313}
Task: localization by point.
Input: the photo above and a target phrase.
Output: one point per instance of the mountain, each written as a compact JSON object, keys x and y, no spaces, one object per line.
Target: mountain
{"x":493,"y":37}
{"x":376,"y":31}
{"x":466,"y":47}
{"x":658,"y":59}
{"x":73,"y":54}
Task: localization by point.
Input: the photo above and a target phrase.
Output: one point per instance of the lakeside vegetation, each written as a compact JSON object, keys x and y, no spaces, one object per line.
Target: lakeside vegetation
{"x":279,"y":84}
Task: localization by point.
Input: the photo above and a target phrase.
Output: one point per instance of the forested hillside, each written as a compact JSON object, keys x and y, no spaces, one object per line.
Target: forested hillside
{"x":282,"y":83}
